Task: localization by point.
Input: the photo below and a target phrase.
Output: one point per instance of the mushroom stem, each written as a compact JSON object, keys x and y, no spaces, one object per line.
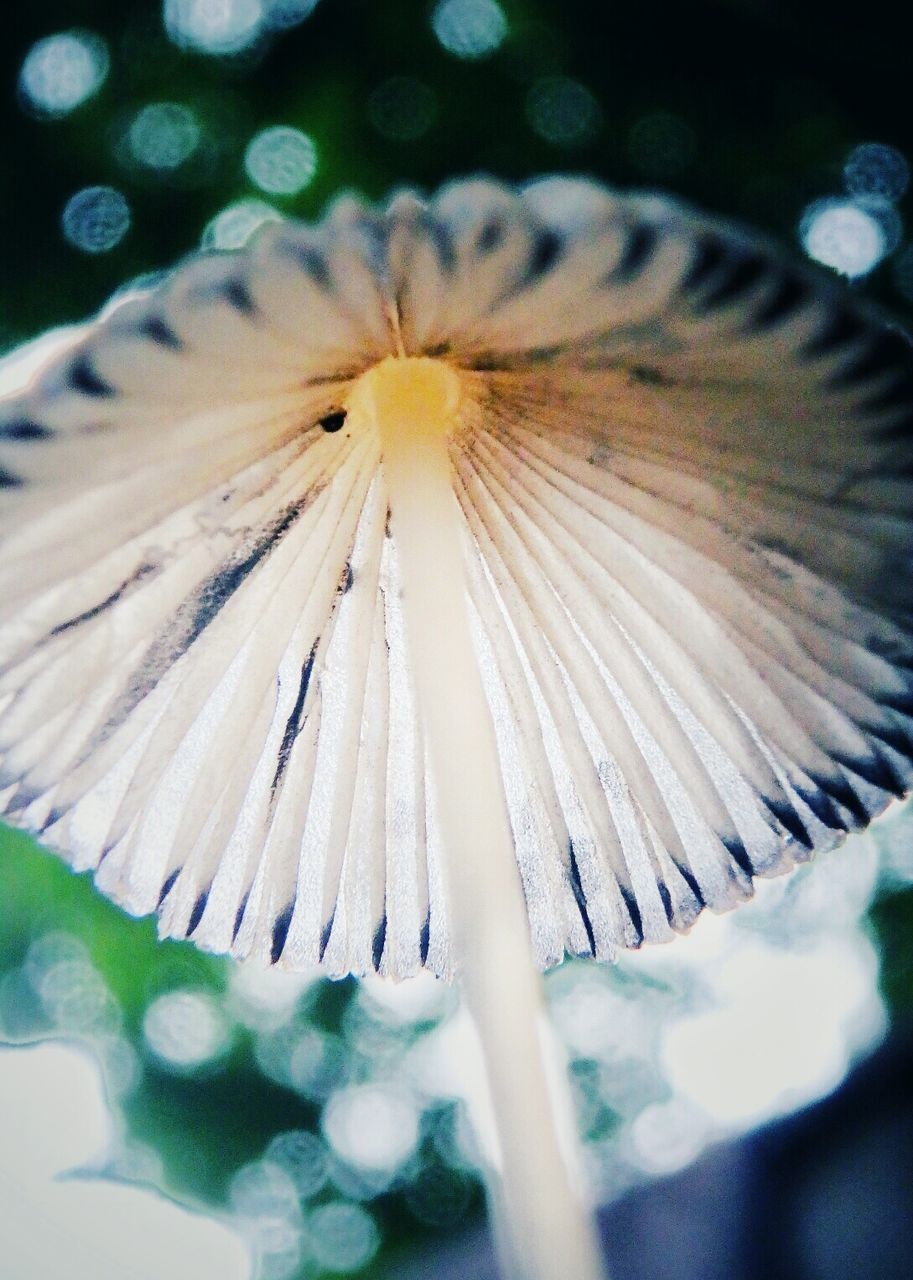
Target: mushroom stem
{"x":542,"y":1226}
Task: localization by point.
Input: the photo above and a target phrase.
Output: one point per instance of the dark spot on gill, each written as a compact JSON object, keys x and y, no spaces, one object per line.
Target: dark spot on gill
{"x":196,"y":914}
{"x":709,"y":254}
{"x":841,"y":328}
{"x":424,"y":940}
{"x":840,"y":790}
{"x":160,"y":332}
{"x":823,"y":807}
{"x":442,"y":241}
{"x":294,"y":723}
{"x":544,"y":253}
{"x":580,"y":896}
{"x":788,"y":818}
{"x":325,"y":936}
{"x":237,"y":294}
{"x":55,"y":813}
{"x":688,"y":876}
{"x":897,"y":395}
{"x":377,"y":946}
{"x":636,"y":254}
{"x":738,"y":853}
{"x":634,"y":912}
{"x":310,"y":260}
{"x":167,"y":886}
{"x":83,"y":377}
{"x":239,"y":916}
{"x":24,"y":430}
{"x":877,"y":771}
{"x":333,"y":421}
{"x":789,"y":293}
{"x":888,"y":352}
{"x":280,"y":932}
{"x":649,"y":377}
{"x":490,"y":235}
{"x":744,"y":271}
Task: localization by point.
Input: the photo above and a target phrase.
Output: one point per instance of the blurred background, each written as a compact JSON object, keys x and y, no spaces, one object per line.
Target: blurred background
{"x":227,"y":1122}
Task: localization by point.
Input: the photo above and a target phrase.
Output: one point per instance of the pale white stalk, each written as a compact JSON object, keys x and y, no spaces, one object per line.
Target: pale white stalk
{"x":543,"y":1228}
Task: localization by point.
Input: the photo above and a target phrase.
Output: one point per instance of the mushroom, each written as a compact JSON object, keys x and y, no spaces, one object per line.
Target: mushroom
{"x":461,"y":585}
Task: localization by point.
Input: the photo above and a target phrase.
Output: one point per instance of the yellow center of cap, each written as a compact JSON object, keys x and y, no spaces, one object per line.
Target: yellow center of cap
{"x":407,"y":399}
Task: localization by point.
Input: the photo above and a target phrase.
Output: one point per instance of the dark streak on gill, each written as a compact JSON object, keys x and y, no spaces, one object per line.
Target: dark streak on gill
{"x":377,"y":945}
{"x":167,"y":886}
{"x":789,"y":293}
{"x":196,"y":914}
{"x":634,"y":912}
{"x":424,"y":940}
{"x":544,"y":253}
{"x":237,"y":294}
{"x":746,"y":270}
{"x":688,"y":876}
{"x":24,"y":430}
{"x":580,"y":897}
{"x":491,"y":235}
{"x":194,"y":615}
{"x":83,"y":377}
{"x":309,"y":260}
{"x":788,"y":818}
{"x":325,"y":936}
{"x":739,"y":854}
{"x":886,"y":353}
{"x":239,"y":916}
{"x":637,"y":252}
{"x":159,"y":331}
{"x":441,"y":239}
{"x":138,"y":575}
{"x":841,"y":328}
{"x":294,"y":724}
{"x":280,"y":932}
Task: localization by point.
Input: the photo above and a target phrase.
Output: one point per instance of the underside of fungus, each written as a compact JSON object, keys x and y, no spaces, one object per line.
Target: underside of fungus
{"x":575,"y":513}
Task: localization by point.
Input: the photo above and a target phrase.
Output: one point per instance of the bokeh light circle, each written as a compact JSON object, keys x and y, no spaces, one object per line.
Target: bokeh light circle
{"x":262,"y":1190}
{"x":874,"y":169}
{"x":281,"y":160}
{"x":843,"y":235}
{"x":343,"y":1237}
{"x":213,"y":26}
{"x":235,"y":224}
{"x":96,"y":219}
{"x":61,"y":71}
{"x":163,"y":135}
{"x":469,"y":28}
{"x":563,"y":111}
{"x":279,"y":15}
{"x":185,"y":1030}
{"x":302,"y":1157}
{"x":372,"y":1127}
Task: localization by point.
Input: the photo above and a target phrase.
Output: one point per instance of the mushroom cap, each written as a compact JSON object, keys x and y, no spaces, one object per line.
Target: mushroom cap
{"x":683,"y":470}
